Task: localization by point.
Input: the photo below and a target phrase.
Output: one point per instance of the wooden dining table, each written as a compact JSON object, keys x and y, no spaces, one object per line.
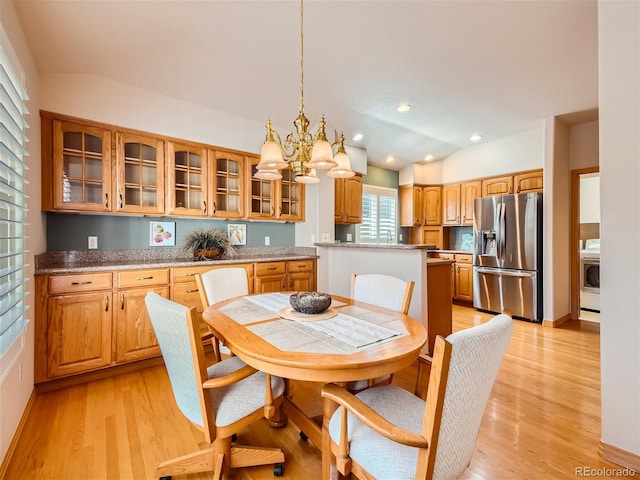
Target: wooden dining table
{"x":360,"y":341}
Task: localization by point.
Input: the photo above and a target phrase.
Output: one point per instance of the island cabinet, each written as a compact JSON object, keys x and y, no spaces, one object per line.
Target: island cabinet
{"x":461,"y":275}
{"x":284,"y":276}
{"x":135,"y":338}
{"x":274,"y":200}
{"x":73,"y":324}
{"x":348,"y":200}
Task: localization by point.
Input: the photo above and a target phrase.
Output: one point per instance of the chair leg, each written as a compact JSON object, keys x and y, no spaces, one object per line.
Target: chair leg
{"x":201,"y":461}
{"x":246,"y":456}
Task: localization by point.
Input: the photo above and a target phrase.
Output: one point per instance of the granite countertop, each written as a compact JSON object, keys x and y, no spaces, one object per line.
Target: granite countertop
{"x":463,"y":252}
{"x":82,"y":261}
{"x":392,"y":246}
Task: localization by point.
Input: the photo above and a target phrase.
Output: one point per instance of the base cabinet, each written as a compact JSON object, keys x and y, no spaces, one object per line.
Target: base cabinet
{"x":87,"y":322}
{"x":461,"y":275}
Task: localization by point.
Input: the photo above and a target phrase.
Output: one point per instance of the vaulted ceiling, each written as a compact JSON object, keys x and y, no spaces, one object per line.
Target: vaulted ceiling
{"x":491,"y":67}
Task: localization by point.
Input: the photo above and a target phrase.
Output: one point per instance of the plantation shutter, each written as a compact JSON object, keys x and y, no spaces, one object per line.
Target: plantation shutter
{"x":12,"y":203}
{"x":379,"y":215}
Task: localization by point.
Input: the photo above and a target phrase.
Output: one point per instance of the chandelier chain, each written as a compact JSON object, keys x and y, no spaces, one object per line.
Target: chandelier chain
{"x":301,"y":55}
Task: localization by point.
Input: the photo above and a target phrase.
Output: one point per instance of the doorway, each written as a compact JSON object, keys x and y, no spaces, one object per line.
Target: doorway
{"x":585,"y":244}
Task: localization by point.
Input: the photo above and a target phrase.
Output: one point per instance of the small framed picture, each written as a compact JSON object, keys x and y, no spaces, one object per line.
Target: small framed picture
{"x":237,"y":233}
{"x":162,"y":234}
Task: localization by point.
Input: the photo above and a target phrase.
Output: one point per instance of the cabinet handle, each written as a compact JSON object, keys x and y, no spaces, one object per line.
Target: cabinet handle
{"x":190,"y":274}
{"x":204,"y":207}
{"x":282,"y":284}
{"x":279,"y":211}
{"x":291,"y":284}
{"x":272,"y":268}
{"x":144,"y":278}
{"x":417,"y":221}
{"x":273,"y":212}
{"x":122,"y":301}
{"x":106,"y":200}
{"x":214,"y":208}
{"x":301,"y":266}
{"x":121,"y":202}
{"x":82,"y":283}
{"x":191,"y":291}
{"x":464,"y":218}
{"x":106,"y":303}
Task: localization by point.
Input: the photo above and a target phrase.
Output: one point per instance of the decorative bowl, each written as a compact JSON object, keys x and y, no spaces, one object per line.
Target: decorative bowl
{"x":310,"y":302}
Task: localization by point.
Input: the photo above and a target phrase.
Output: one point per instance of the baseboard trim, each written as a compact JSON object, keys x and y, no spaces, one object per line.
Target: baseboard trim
{"x":556,"y":323}
{"x":16,"y":436}
{"x":619,"y":456}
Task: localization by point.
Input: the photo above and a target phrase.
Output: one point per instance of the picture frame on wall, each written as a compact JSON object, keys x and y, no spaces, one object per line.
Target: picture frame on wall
{"x":237,"y":233}
{"x":162,"y":234}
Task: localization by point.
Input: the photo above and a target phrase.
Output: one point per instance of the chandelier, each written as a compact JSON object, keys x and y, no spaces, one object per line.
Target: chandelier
{"x":305,"y":153}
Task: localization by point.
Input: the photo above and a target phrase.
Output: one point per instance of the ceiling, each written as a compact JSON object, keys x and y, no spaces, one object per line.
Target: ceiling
{"x":491,"y":67}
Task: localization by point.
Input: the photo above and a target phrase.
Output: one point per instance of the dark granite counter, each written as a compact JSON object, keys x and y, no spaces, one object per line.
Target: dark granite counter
{"x":81,"y":261}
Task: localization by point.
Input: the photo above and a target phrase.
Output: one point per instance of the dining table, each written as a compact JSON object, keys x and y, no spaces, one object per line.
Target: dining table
{"x":349,"y":341}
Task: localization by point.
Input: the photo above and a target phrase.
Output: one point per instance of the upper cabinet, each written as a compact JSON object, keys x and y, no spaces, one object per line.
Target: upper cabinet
{"x":98,"y":168}
{"x":227,"y":192}
{"x":140,"y":174}
{"x":420,"y":205}
{"x":528,"y":182}
{"x":497,"y":186}
{"x":348,"y":200}
{"x":469,"y":191}
{"x":451,"y":204}
{"x":274,"y":199}
{"x":80,"y":168}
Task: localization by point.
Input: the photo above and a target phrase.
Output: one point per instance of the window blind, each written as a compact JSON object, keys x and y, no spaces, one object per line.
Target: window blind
{"x":12,"y":203}
{"x":379,"y":215}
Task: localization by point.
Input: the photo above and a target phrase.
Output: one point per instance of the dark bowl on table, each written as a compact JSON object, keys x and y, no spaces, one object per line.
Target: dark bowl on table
{"x":310,"y":302}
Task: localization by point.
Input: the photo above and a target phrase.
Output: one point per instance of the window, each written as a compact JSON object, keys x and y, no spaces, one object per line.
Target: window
{"x":379,"y":215}
{"x":12,"y":203}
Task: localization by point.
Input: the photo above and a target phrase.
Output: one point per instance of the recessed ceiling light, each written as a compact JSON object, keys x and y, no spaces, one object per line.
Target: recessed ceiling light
{"x":357,"y":137}
{"x":429,"y":157}
{"x":476,"y":137}
{"x":390,"y":158}
{"x":404,"y":107}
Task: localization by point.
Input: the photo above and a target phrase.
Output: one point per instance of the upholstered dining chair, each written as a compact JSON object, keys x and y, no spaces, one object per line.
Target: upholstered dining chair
{"x":386,"y":432}
{"x":221,"y":284}
{"x":220,"y":400}
{"x":383,"y":291}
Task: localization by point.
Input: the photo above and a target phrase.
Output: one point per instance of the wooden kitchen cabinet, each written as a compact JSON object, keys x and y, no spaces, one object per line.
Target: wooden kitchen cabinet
{"x":348,"y":200}
{"x":227,"y":185}
{"x":283,"y":276}
{"x":140,"y":174}
{"x":187,"y":180}
{"x":76,"y":166}
{"x":420,"y":205}
{"x":432,"y":205}
{"x":527,"y":182}
{"x":451,"y":204}
{"x":469,"y":191}
{"x":274,"y":200}
{"x":135,"y":338}
{"x":463,"y":289}
{"x":497,"y":186}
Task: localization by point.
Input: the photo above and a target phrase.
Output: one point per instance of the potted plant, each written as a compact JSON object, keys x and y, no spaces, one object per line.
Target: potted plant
{"x":208,"y":244}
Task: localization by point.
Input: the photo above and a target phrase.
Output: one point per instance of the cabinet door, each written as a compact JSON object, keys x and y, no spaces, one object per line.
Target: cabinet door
{"x":432,"y":236}
{"x":79,"y":333}
{"x":451,"y":204}
{"x":187,"y":180}
{"x":353,"y":199}
{"x":261,"y":197}
{"x":301,"y":282}
{"x":469,"y":191}
{"x":135,"y":338}
{"x":432,"y":205}
{"x":528,"y":182}
{"x":497,"y":186}
{"x":408,"y":216}
{"x":290,"y":198}
{"x":339,"y":201}
{"x":464,"y":282}
{"x":270,"y":283}
{"x":227,"y":186}
{"x":81,"y":168}
{"x":140,"y":172}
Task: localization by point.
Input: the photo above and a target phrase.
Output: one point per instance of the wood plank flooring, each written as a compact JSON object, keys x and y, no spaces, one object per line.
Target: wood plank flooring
{"x":542,"y":420}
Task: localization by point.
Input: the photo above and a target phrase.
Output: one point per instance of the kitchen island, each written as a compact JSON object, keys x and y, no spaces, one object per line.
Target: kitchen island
{"x":431,"y":304}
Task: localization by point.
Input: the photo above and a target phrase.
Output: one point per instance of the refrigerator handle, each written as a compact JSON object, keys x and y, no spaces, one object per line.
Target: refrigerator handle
{"x":503,"y":227}
{"x":506,"y":273}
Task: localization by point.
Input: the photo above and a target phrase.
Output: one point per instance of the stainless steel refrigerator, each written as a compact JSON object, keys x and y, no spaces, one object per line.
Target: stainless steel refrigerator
{"x":507,"y":257}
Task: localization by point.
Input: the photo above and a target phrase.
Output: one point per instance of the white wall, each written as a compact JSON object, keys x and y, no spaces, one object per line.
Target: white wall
{"x":16,"y":382}
{"x":619,"y":77}
{"x":590,"y":198}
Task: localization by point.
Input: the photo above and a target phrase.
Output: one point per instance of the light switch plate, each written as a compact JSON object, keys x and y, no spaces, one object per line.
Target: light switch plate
{"x":92,"y":242}
{"x":267,"y":241}
{"x":349,"y":237}
{"x":326,"y":237}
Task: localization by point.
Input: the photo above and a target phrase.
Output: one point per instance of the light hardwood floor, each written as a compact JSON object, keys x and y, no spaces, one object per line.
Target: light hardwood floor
{"x":542,"y":420}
